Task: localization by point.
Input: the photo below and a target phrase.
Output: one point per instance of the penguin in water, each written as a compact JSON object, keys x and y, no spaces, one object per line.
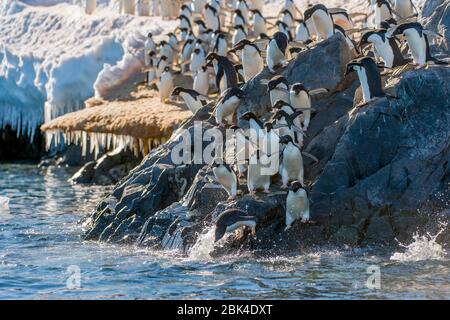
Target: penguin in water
{"x":300,"y":99}
{"x":257,"y":177}
{"x":225,"y":73}
{"x":165,"y":86}
{"x":417,"y":39}
{"x":297,"y":205}
{"x":226,"y":176}
{"x":369,"y":77}
{"x":384,"y":47}
{"x":231,"y":220}
{"x":252,"y":61}
{"x":193,"y":100}
{"x":321,"y":19}
{"x":276,"y":51}
{"x":278,"y":89}
{"x":291,"y":162}
{"x":227,"y":105}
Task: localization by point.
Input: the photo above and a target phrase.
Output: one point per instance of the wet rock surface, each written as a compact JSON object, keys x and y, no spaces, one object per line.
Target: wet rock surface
{"x":383,"y":172}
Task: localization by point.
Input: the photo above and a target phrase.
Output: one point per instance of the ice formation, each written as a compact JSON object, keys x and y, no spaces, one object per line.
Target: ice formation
{"x":51,"y":55}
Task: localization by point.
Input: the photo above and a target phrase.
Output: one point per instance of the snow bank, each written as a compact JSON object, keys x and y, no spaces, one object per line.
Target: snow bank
{"x":51,"y":54}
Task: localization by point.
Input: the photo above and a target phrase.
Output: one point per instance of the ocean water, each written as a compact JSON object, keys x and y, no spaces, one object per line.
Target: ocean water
{"x":43,"y":256}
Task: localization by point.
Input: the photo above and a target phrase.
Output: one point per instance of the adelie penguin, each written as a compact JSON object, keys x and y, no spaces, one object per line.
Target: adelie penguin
{"x":149,"y":46}
{"x":258,"y":173}
{"x":238,"y":34}
{"x":193,"y":100}
{"x":291,"y":162}
{"x":301,"y":32}
{"x":251,"y":59}
{"x":297,"y":205}
{"x":300,"y":98}
{"x":276,"y":51}
{"x":405,"y":9}
{"x":384,"y":47}
{"x":225,"y":73}
{"x":369,"y":77}
{"x":231,"y":220}
{"x":418,"y":43}
{"x":197,"y":60}
{"x":165,"y":86}
{"x":220,"y":45}
{"x":383,"y":11}
{"x":287,"y":121}
{"x":226,"y":176}
{"x":227,"y":105}
{"x":259,"y":22}
{"x":211,"y":17}
{"x":201,"y":81}
{"x":322,"y":21}
{"x":278,"y":89}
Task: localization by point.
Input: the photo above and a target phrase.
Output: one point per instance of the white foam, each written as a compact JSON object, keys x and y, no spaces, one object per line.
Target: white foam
{"x":423,"y":247}
{"x":203,"y":247}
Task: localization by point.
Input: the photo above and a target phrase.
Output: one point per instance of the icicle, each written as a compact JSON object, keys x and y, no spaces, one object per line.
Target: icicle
{"x":83,"y":143}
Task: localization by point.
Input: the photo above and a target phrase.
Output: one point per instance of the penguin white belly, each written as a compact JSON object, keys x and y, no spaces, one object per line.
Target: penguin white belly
{"x":301,"y":33}
{"x":165,"y":87}
{"x":226,"y":110}
{"x":192,"y":104}
{"x":418,"y":46}
{"x":237,"y":36}
{"x":259,"y":26}
{"x":291,"y":167}
{"x":90,"y":7}
{"x":297,"y":206}
{"x":211,"y":20}
{"x":252,"y":64}
{"x":323,"y":24}
{"x":381,"y":14}
{"x":255,"y":179}
{"x":201,"y":83}
{"x":245,"y":223}
{"x":341,"y":20}
{"x":197,"y":61}
{"x":274,"y":56}
{"x":279,"y":94}
{"x":223,"y":83}
{"x":383,"y":49}
{"x":222,"y":49}
{"x":302,"y":101}
{"x":312,"y":28}
{"x":364,"y":84}
{"x":227,"y":179}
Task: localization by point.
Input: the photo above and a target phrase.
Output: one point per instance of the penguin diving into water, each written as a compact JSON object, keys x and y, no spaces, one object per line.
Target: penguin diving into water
{"x":297,"y":204}
{"x":231,"y":220}
{"x":418,"y":43}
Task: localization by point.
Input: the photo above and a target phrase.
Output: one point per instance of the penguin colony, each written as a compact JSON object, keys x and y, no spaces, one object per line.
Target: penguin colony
{"x":223,"y":44}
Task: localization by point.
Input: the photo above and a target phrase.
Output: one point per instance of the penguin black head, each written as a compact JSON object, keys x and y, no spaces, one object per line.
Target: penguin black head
{"x":286,"y":139}
{"x":295,"y":186}
{"x":264,"y":36}
{"x":150,"y":35}
{"x":162,"y":43}
{"x":268,"y":126}
{"x":400,"y":29}
{"x":151,"y":54}
{"x":280,"y":104}
{"x":238,"y":13}
{"x":282,"y":40}
{"x":287,"y":12}
{"x":256,"y":11}
{"x":197,"y":50}
{"x":241,"y":44}
{"x":177,"y":91}
{"x":201,"y":23}
{"x":204,"y":68}
{"x":276,"y":81}
{"x":167,"y":69}
{"x":171,"y":35}
{"x":298,"y":87}
{"x":310,"y":11}
{"x":210,"y":58}
{"x":249,"y":115}
{"x":163,"y":58}
{"x":235,"y":91}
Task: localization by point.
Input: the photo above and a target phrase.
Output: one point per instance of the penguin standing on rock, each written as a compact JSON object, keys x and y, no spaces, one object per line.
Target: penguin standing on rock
{"x":211,"y":17}
{"x":193,"y":100}
{"x":227,"y":105}
{"x":405,"y":9}
{"x":369,"y":77}
{"x":257,"y":178}
{"x":297,"y":204}
{"x":225,"y":73}
{"x":149,"y":46}
{"x":321,"y":19}
{"x":291,"y":164}
{"x":278,"y":88}
{"x":201,"y":81}
{"x":301,"y":32}
{"x":197,"y":60}
{"x":276,"y":51}
{"x":221,"y":46}
{"x":225,"y":175}
{"x":383,"y":11}
{"x":417,"y":39}
{"x":231,"y":220}
{"x":384,"y":47}
{"x":259,"y":22}
{"x":252,"y":62}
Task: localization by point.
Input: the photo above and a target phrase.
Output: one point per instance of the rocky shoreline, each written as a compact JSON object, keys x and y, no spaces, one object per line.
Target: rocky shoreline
{"x":383,"y":169}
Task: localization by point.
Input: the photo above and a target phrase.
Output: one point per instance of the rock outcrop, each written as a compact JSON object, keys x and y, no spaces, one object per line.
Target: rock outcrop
{"x":383,"y":169}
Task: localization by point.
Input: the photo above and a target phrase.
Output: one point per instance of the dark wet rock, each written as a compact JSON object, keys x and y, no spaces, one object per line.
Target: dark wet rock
{"x":436,"y":14}
{"x":383,"y":172}
{"x":108,"y":169}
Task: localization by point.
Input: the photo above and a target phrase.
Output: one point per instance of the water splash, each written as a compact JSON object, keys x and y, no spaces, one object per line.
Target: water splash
{"x":422,"y":248}
{"x":4,"y":209}
{"x":203,"y":246}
